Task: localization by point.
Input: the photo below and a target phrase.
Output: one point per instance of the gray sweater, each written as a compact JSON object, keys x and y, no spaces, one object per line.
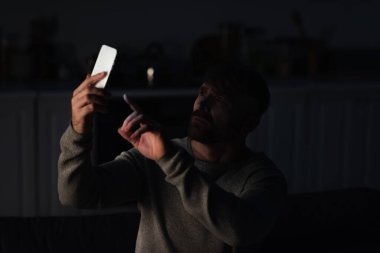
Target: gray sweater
{"x":186,"y":205}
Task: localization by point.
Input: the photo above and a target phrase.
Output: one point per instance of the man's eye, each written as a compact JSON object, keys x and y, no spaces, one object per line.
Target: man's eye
{"x":220,"y":98}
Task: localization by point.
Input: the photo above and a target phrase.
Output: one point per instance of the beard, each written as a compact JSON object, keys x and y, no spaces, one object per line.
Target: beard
{"x":203,"y":129}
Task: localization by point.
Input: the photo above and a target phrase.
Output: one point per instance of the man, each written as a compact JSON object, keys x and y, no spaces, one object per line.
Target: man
{"x":204,"y":193}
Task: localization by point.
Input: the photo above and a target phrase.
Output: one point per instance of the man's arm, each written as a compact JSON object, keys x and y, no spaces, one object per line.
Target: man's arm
{"x":236,"y":220}
{"x":79,"y":183}
{"x":85,"y":186}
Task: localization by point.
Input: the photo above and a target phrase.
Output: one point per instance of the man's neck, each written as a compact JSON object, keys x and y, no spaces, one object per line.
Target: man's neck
{"x":219,"y":152}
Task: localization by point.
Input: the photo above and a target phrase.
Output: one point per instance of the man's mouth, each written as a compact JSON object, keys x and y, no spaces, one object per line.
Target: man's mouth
{"x":200,"y":119}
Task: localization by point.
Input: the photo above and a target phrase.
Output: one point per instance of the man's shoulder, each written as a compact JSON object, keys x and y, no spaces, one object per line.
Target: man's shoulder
{"x":262,"y":172}
{"x":260,"y":165}
{"x":260,"y":159}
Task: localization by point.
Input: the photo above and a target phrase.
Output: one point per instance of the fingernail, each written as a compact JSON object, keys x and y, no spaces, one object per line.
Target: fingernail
{"x":125,"y":97}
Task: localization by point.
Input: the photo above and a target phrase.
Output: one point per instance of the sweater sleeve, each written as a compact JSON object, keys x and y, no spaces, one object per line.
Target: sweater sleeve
{"x":238,"y":220}
{"x":82,"y":185}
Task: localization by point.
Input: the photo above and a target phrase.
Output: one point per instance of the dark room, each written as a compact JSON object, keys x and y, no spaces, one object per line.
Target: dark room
{"x":190,"y":126}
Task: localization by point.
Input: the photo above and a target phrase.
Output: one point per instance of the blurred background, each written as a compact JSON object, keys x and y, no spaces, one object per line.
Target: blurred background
{"x":45,"y":41}
{"x":320,"y":58}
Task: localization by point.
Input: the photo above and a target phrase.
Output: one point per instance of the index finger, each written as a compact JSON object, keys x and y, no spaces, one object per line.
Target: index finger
{"x":131,"y":105}
{"x":90,"y":80}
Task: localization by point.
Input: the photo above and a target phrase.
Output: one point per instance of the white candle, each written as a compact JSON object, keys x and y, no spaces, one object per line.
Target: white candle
{"x":150,"y":75}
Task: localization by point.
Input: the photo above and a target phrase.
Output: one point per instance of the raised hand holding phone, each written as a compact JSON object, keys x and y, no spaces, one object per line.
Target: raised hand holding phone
{"x":90,"y":96}
{"x":104,"y":63}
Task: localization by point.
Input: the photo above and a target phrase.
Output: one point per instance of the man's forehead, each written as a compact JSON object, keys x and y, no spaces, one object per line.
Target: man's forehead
{"x":225,"y":91}
{"x":206,"y":85}
{"x":233,"y":95}
{"x":213,"y":88}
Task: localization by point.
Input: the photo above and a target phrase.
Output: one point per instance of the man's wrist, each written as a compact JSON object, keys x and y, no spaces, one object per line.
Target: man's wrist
{"x":84,"y":134}
{"x":169,"y":151}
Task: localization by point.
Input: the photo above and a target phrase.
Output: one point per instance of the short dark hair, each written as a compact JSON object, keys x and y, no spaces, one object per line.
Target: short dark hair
{"x":238,"y":79}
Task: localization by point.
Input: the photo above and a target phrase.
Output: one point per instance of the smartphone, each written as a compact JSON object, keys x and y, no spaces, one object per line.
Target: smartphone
{"x":104,"y":62}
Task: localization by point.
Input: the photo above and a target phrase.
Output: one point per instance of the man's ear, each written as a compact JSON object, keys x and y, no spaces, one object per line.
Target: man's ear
{"x":249,"y":125}
{"x":245,"y":130}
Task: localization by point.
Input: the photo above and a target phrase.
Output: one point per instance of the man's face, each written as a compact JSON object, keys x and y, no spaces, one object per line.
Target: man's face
{"x":215,"y":116}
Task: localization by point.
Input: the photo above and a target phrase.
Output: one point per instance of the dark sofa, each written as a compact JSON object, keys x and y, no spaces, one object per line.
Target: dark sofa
{"x":330,"y":221}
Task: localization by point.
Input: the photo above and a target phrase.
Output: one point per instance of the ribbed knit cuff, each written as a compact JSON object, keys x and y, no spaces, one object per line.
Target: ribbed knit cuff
{"x":174,"y":163}
{"x":70,"y":138}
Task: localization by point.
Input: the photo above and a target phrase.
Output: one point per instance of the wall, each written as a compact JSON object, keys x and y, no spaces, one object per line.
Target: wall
{"x":87,"y":24}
